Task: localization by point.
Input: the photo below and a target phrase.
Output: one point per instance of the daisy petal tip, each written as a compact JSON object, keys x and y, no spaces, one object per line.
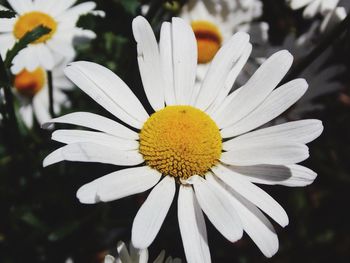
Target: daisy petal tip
{"x":53,"y":158}
{"x":136,"y":241}
{"x":47,"y":125}
{"x":86,"y":195}
{"x":243,"y":35}
{"x":285,"y":55}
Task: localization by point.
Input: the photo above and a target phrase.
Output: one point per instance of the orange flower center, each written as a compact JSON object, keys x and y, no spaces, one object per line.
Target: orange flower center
{"x":209,"y":40}
{"x":30,"y":83}
{"x":28,"y":21}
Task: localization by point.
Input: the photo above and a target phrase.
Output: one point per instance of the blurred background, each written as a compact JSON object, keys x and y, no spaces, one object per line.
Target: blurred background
{"x":41,"y":220}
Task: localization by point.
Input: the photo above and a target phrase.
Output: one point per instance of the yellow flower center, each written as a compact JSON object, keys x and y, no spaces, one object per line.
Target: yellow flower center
{"x":209,"y":40}
{"x":28,"y":21}
{"x":180,"y":141}
{"x":30,"y":83}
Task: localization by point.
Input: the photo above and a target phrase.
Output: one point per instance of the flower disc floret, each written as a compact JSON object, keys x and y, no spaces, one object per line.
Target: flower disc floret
{"x":180,"y":141}
{"x":29,"y":21}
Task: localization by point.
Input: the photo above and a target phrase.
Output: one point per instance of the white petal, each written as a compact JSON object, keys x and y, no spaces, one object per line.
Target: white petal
{"x":123,"y":253}
{"x":62,"y":47}
{"x":217,"y":209}
{"x":26,"y":112}
{"x":166,"y":56}
{"x":21,"y":6}
{"x":6,"y":24}
{"x":276,"y":103}
{"x":76,"y":136}
{"x":119,"y":184}
{"x":278,"y":153}
{"x":90,"y":152}
{"x":288,"y":175}
{"x":61,"y":6}
{"x":138,"y":255}
{"x":109,"y":259}
{"x":96,"y":122}
{"x":7,"y":41}
{"x":192,"y":227}
{"x":328,"y":6}
{"x":303,"y":131}
{"x":44,"y":5}
{"x":148,"y":58}
{"x":161,"y":256}
{"x":312,"y":9}
{"x":41,"y":107}
{"x":258,"y":87}
{"x":254,"y":222}
{"x":152,"y":213}
{"x":108,"y":90}
{"x":76,"y":11}
{"x":45,"y":57}
{"x":252,"y":193}
{"x":231,"y":78}
{"x":220,"y":68}
{"x":296,"y":4}
{"x":184,"y":60}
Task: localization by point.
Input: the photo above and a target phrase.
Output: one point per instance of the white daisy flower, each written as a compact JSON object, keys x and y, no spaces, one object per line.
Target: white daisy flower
{"x":203,"y":140}
{"x":32,"y":91}
{"x":327,"y":8}
{"x":48,"y":50}
{"x":214,"y":22}
{"x":314,"y":7}
{"x":134,"y":255}
{"x":321,"y":74}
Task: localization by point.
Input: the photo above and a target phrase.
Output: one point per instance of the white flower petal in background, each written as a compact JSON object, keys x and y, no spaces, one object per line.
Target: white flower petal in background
{"x":56,"y":15}
{"x":32,"y":91}
{"x":134,"y":255}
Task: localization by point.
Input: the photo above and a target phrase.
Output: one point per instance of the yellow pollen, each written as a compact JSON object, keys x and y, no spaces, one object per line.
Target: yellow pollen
{"x":28,"y":21}
{"x":209,"y":40}
{"x":29,"y":83}
{"x":180,"y":141}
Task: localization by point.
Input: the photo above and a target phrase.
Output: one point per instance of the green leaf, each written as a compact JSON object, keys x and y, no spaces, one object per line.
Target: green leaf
{"x":7,"y":14}
{"x":130,"y":5}
{"x":28,"y":38}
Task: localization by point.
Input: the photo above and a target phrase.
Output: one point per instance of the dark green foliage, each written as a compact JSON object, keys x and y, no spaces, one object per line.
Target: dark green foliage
{"x":7,"y":14}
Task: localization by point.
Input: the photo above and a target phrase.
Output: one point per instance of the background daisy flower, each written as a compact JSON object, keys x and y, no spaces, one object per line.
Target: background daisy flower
{"x":327,"y":8}
{"x":313,"y":7}
{"x":214,"y":22}
{"x":31,"y":89}
{"x":60,"y":16}
{"x":134,"y":255}
{"x":203,"y":140}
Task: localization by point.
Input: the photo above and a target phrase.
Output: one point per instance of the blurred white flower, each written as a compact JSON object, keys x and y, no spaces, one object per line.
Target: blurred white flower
{"x":134,"y":255}
{"x":314,"y":7}
{"x":321,"y":74}
{"x":214,"y":22}
{"x":60,"y":16}
{"x":203,"y":140}
{"x":31,"y":90}
{"x":327,"y":8}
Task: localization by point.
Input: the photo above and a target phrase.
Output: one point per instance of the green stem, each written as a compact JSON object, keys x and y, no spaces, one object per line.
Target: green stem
{"x":50,"y":84}
{"x":325,"y":43}
{"x":10,"y":121}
